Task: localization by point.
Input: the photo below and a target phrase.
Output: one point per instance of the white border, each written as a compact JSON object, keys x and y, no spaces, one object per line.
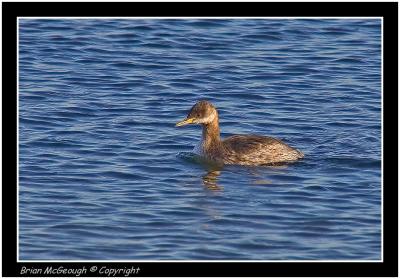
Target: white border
{"x":382,"y":139}
{"x":140,"y":261}
{"x":192,"y":17}
{"x":17,"y":139}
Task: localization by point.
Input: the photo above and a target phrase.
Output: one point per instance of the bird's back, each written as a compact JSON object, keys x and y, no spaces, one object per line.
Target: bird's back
{"x":257,"y":150}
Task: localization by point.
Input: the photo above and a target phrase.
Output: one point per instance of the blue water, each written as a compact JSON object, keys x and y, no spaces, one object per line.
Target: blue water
{"x":104,"y":174}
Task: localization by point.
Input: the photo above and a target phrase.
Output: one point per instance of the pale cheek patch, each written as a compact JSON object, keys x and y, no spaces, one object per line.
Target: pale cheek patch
{"x":208,"y":119}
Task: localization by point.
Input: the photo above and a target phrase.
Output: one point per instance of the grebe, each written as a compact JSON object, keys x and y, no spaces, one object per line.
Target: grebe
{"x":237,"y":149}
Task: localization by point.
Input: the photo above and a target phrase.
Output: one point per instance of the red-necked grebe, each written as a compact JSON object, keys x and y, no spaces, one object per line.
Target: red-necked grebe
{"x":237,"y":149}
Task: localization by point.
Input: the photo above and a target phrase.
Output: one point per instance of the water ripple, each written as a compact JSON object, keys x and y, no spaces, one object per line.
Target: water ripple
{"x":105,"y":175}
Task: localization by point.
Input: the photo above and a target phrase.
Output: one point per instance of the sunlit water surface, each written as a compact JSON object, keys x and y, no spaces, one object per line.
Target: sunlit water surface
{"x":104,"y":174}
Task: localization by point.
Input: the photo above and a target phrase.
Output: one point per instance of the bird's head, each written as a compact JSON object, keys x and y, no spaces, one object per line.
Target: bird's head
{"x":203,"y":112}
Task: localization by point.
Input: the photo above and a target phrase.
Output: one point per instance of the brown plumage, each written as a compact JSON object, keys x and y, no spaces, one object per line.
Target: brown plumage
{"x":237,"y":149}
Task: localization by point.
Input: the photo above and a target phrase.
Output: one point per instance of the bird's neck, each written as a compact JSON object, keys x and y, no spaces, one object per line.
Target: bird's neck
{"x":211,"y":135}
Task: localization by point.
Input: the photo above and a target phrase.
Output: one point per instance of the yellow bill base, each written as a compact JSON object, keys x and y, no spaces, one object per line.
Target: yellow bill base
{"x":184,"y":122}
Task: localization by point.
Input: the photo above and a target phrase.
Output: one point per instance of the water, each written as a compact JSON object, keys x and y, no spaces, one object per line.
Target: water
{"x":104,"y":174}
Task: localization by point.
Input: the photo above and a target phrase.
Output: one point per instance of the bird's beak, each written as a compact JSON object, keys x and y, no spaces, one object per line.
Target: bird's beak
{"x":185,"y":122}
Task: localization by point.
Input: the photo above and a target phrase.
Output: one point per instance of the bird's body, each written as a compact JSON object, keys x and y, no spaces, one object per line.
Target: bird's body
{"x":252,"y":150}
{"x":236,"y":149}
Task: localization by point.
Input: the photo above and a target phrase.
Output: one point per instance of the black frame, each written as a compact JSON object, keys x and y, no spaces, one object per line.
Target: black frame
{"x":389,"y":12}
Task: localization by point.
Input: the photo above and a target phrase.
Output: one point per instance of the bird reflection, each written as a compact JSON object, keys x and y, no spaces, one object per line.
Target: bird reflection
{"x":210,"y":180}
{"x":257,"y":175}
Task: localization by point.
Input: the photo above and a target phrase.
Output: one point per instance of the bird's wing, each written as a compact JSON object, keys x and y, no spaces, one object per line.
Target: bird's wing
{"x":245,"y":147}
